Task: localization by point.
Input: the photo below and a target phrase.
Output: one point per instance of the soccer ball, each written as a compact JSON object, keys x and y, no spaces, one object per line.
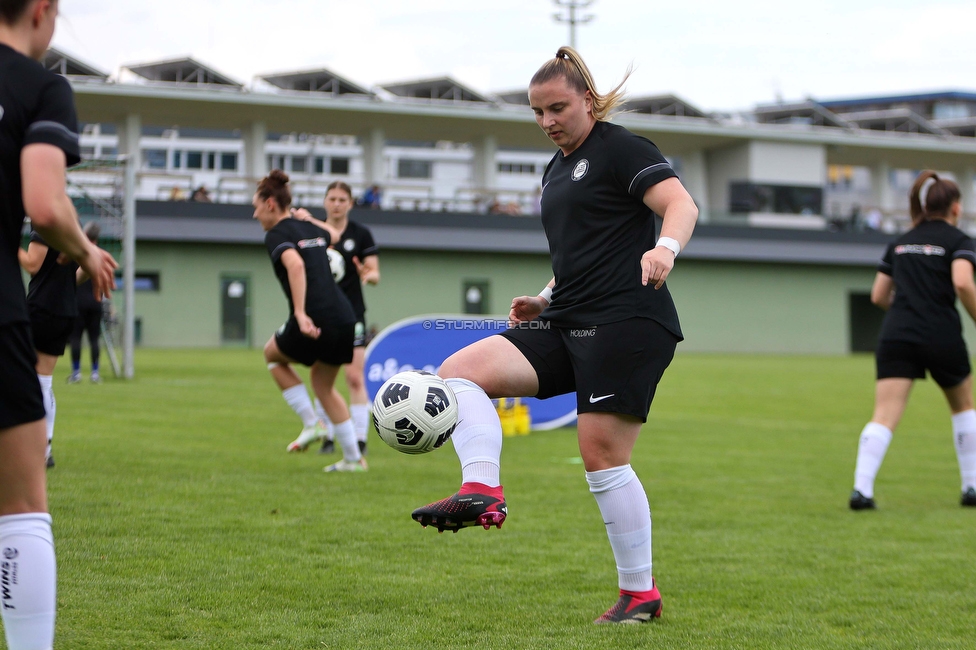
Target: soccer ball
{"x":337,"y":264}
{"x":415,"y":412}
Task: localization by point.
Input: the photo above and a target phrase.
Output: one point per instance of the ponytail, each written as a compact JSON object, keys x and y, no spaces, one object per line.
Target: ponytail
{"x":931,"y":197}
{"x":275,"y":185}
{"x":569,"y":65}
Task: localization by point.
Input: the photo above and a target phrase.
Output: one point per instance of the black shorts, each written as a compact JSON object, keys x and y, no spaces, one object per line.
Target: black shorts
{"x":359,"y":334}
{"x":50,"y":332}
{"x":333,"y":346}
{"x":613,"y":368}
{"x":20,"y":391}
{"x":947,"y":361}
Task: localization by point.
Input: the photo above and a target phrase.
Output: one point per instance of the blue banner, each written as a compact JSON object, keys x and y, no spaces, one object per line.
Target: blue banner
{"x":424,"y":342}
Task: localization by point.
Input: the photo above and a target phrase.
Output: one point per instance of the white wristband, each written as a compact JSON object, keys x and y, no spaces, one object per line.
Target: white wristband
{"x":671,"y":244}
{"x":546,"y":294}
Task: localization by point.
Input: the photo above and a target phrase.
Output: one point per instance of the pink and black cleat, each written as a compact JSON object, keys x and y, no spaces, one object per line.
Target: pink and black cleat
{"x":475,"y":504}
{"x":634,"y":607}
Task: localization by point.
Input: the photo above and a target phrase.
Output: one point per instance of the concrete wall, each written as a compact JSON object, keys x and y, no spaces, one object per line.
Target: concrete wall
{"x":723,"y":306}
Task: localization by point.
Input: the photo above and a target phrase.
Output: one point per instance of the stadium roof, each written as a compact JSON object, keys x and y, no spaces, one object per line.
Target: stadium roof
{"x":320,"y":80}
{"x":808,"y":112}
{"x":900,"y":120}
{"x":183,"y":72}
{"x":67,"y":65}
{"x":663,"y":105}
{"x":947,"y":95}
{"x":438,"y":89}
{"x":519,"y":97}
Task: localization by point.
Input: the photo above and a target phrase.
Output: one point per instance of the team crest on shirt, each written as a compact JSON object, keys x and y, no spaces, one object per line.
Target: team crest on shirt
{"x":579,"y":171}
{"x":348,"y":245}
{"x":920,"y":249}
{"x":317,"y":242}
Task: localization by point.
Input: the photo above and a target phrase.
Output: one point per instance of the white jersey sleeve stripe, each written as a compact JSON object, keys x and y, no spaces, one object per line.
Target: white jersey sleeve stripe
{"x":644,"y":171}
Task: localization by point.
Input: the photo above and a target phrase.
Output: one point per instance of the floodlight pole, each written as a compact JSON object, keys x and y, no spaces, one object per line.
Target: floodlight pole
{"x":573,"y":19}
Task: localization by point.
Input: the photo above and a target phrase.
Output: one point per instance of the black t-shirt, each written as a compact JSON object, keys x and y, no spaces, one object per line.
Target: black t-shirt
{"x":324,"y":303}
{"x":36,"y":106}
{"x":356,"y":241}
{"x":53,"y":287}
{"x":920,"y":264}
{"x":598,"y":228}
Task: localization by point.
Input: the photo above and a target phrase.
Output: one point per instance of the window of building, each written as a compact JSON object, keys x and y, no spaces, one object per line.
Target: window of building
{"x":407,"y":168}
{"x":516,"y":168}
{"x":154,"y":158}
{"x":177,"y":159}
{"x":319,"y":165}
{"x":782,"y":199}
{"x":110,"y":152}
{"x":298,"y":164}
{"x":144,"y":281}
{"x":339,"y":166}
{"x":211,"y":160}
{"x":276,"y":162}
{"x":87,"y":152}
{"x":228,"y":162}
{"x":194,"y":160}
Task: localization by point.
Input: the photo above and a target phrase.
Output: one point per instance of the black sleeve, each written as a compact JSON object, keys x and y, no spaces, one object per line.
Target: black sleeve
{"x":884,"y":266}
{"x":965,"y":250}
{"x":638,"y":163}
{"x":367,"y":244}
{"x":37,"y":238}
{"x":277,"y":243}
{"x":55,"y":121}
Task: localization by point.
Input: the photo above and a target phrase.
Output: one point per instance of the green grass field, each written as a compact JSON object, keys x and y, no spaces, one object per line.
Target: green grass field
{"x":181,"y":522}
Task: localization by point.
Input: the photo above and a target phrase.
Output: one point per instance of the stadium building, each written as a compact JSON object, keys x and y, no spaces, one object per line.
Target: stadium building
{"x":797,"y":200}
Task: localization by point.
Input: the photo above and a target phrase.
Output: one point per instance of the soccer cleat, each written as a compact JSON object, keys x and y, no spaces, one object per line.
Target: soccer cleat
{"x":95,"y":377}
{"x":634,"y":607}
{"x":969,"y":497}
{"x":475,"y":504}
{"x":362,"y":447}
{"x":861,"y":502}
{"x":74,"y":378}
{"x":49,"y":463}
{"x":306,"y":437}
{"x":348,"y":466}
{"x":328,"y":446}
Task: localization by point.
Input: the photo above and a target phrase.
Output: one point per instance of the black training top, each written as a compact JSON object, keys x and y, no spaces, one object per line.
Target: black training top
{"x":324,"y":303}
{"x":36,"y":106}
{"x":53,"y":287}
{"x":920,"y":264}
{"x":356,"y":241}
{"x":598,"y":228}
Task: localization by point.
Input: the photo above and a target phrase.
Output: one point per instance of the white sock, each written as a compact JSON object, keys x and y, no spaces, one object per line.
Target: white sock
{"x":478,"y":436}
{"x":28,"y":579}
{"x":324,"y":419}
{"x":345,"y":435}
{"x":871,"y":450}
{"x":964,"y":435}
{"x":50,"y":406}
{"x":298,"y":400}
{"x":627,"y":516}
{"x":360,"y":420}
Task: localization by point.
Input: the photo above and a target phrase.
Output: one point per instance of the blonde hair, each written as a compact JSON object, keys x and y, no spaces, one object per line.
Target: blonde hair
{"x":569,"y":65}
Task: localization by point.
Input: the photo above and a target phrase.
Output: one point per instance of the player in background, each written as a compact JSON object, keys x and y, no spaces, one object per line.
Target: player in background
{"x":38,"y":139}
{"x":359,"y":253}
{"x":320,"y":328}
{"x":918,"y":280}
{"x":52,"y":305}
{"x":605,"y":326}
{"x":89,"y":320}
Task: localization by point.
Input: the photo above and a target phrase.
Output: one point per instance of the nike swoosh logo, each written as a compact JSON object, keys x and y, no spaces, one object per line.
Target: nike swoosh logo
{"x":594,"y":400}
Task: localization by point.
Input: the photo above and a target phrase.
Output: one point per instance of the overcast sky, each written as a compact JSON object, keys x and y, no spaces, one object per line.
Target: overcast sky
{"x":716,"y":54}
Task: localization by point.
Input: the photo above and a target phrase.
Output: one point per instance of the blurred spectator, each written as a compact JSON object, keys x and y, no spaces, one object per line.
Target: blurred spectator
{"x":496,"y":207}
{"x":201,"y":195}
{"x":371,"y":197}
{"x":872,"y":220}
{"x":177,"y":194}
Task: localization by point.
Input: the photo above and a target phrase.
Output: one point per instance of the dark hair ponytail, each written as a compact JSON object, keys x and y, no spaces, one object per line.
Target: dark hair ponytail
{"x":940,"y":194}
{"x":275,"y":185}
{"x":339,"y":185}
{"x":12,"y":10}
